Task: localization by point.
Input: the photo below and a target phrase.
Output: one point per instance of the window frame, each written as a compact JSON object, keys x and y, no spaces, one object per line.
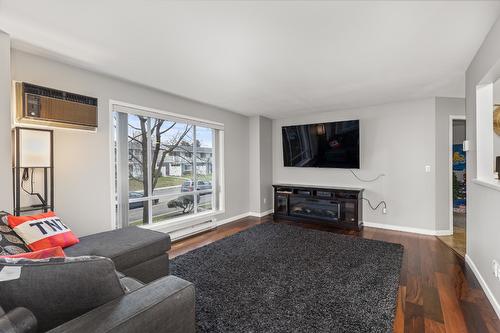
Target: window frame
{"x":121,"y":200}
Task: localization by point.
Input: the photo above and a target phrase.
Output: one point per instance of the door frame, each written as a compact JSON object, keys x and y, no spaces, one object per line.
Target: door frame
{"x":450,"y":167}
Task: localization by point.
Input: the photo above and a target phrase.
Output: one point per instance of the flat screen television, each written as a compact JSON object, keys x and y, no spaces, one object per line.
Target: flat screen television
{"x":324,"y":145}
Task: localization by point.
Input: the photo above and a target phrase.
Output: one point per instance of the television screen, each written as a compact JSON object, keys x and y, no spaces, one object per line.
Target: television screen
{"x":325,"y":145}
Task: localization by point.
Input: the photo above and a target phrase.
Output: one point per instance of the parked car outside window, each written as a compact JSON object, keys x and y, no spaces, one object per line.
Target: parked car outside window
{"x":188,"y":186}
{"x":139,"y":204}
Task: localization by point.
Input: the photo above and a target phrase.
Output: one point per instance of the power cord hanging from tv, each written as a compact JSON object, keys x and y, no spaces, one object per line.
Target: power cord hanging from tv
{"x":384,"y":210}
{"x":366,"y":180}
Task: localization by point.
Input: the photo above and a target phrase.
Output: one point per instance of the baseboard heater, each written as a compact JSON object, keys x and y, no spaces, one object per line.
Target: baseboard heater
{"x":191,"y":230}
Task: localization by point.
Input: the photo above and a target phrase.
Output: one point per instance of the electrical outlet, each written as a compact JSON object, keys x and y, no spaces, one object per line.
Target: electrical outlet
{"x":384,"y":210}
{"x":427,"y":168}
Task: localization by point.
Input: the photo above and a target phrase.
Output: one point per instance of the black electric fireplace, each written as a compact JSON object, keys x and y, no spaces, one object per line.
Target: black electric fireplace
{"x":314,"y":208}
{"x":335,"y":206}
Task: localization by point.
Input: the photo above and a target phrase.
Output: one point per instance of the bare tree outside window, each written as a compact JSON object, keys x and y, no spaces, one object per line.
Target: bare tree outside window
{"x":170,"y":166}
{"x":160,"y":150}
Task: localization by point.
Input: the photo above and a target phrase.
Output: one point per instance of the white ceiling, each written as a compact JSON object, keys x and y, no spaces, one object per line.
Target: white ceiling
{"x":256,"y":57}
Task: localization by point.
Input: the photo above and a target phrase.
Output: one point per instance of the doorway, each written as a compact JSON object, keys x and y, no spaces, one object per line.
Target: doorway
{"x":457,"y":186}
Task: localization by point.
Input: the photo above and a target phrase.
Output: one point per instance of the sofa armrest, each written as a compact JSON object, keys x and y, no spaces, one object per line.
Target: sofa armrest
{"x":165,"y":305}
{"x":18,"y":320}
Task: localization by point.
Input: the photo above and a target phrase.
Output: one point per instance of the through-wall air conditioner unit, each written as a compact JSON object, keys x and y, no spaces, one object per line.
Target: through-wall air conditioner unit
{"x":50,"y":107}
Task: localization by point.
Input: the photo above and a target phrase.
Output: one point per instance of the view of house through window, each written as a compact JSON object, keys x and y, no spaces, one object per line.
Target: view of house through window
{"x":169,"y":166}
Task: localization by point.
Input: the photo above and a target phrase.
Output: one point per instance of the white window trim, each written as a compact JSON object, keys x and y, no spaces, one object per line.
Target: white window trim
{"x":450,"y":169}
{"x":218,"y":196}
{"x":124,"y":107}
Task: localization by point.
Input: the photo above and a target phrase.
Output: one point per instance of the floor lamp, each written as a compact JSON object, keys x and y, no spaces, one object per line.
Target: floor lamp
{"x":33,"y":153}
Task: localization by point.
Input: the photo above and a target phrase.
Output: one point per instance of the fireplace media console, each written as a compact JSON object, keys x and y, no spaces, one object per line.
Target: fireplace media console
{"x":336,"y":206}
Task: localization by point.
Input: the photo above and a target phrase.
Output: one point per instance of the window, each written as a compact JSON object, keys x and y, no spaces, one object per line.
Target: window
{"x":165,"y":168}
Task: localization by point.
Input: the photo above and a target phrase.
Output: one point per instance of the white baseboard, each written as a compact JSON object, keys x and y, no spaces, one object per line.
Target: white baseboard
{"x":240,"y":216}
{"x":444,"y":232}
{"x":366,"y":224}
{"x":486,"y":289}
{"x":267,"y":212}
{"x":232,"y":219}
{"x":407,"y":229}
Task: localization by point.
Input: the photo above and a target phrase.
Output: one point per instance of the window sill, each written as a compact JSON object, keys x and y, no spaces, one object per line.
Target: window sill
{"x":182,"y":222}
{"x":492,"y":184}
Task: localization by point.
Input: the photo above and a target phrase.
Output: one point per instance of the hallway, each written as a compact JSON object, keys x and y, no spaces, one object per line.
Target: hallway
{"x":456,"y":241}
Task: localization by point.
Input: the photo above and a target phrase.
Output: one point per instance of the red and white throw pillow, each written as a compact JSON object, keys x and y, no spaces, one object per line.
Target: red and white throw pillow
{"x":53,"y":252}
{"x":42,"y":231}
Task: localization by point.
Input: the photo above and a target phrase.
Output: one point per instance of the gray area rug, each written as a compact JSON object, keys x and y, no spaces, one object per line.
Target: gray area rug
{"x":282,"y":278}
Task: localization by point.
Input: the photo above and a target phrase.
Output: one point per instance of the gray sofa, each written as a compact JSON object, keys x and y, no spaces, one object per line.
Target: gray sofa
{"x":165,"y":305}
{"x":136,"y":252}
{"x":148,"y":299}
{"x":17,"y":320}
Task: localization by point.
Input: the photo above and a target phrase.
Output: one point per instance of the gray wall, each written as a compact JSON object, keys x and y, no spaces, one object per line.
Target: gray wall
{"x":483,"y":215}
{"x":445,"y":107}
{"x":397,"y":140}
{"x":5,"y":118}
{"x":254,"y":164}
{"x":266,"y":164}
{"x":83,"y":183}
{"x":261,"y":164}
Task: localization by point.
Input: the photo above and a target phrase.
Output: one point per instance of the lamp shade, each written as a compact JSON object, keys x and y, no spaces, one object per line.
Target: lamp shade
{"x":35,"y":148}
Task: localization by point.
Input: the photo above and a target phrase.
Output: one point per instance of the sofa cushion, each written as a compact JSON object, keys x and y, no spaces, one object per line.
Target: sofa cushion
{"x":58,"y":289}
{"x":150,"y":270}
{"x":130,"y":284}
{"x":127,"y":247}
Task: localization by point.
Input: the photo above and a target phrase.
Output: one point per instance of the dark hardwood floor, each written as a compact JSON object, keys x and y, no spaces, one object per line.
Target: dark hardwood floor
{"x":438,"y":292}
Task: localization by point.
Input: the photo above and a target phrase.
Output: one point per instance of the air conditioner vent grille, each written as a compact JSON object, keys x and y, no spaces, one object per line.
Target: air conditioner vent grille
{"x":58,"y":94}
{"x":39,"y":105}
